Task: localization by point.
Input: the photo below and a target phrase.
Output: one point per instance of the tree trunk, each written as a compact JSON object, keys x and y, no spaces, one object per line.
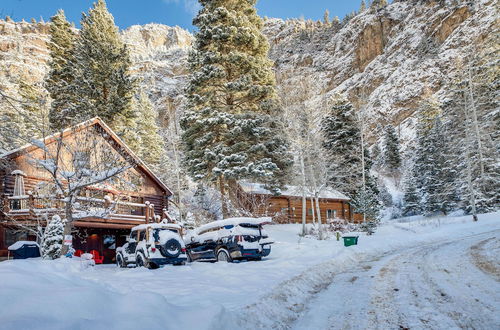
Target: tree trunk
{"x":68,"y":225}
{"x":476,"y":125}
{"x":318,"y":212}
{"x":304,"y":198}
{"x":470,"y":185}
{"x":312,"y":212}
{"x":224,"y":201}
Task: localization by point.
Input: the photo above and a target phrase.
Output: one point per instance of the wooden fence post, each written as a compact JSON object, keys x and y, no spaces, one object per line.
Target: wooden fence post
{"x":147,"y":212}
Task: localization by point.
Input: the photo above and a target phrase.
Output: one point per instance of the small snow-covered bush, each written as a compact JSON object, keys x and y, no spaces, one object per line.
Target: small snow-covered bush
{"x":52,"y":238}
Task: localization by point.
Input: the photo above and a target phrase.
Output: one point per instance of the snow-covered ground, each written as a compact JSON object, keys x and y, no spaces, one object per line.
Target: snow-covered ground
{"x":439,"y":273}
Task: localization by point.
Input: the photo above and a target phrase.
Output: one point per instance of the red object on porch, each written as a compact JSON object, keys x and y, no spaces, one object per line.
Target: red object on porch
{"x":97,"y":258}
{"x":78,"y":253}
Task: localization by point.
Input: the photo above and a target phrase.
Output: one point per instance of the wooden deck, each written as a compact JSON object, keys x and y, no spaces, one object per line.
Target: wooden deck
{"x":89,"y":212}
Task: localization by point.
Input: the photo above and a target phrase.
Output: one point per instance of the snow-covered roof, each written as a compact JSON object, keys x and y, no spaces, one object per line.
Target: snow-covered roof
{"x":19,"y":244}
{"x":157,"y":225}
{"x":96,"y":120}
{"x":291,"y":191}
{"x":234,"y":222}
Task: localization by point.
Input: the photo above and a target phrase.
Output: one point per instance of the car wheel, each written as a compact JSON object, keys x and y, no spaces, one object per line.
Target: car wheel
{"x":172,"y":248}
{"x":223,"y":256}
{"x":120,"y":262}
{"x":140,"y":260}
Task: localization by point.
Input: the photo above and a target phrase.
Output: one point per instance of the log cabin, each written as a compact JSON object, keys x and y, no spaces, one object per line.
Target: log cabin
{"x":103,"y":212}
{"x":287,"y":206}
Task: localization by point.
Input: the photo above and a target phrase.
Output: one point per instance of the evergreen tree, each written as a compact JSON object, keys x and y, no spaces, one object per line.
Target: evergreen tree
{"x":362,"y":7}
{"x":434,"y":169}
{"x":102,"y":70}
{"x":412,"y":198}
{"x":34,"y":110}
{"x":52,"y":238}
{"x":61,"y":73}
{"x":342,"y":141}
{"x":326,"y":17}
{"x":377,"y":156}
{"x":231,"y":125}
{"x":366,"y":202}
{"x":392,"y":158}
{"x":152,"y":144}
{"x":377,"y":4}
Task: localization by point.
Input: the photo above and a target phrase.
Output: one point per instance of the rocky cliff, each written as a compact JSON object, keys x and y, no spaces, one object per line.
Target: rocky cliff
{"x":387,"y":59}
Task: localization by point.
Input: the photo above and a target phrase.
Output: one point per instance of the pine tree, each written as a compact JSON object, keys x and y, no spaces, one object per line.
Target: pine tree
{"x":52,"y":238}
{"x":377,"y":4}
{"x":362,"y":7}
{"x":102,"y":70}
{"x":342,"y":142}
{"x":326,"y":17}
{"x":434,"y":168}
{"x":152,"y":144}
{"x":412,"y":198}
{"x":366,"y":202}
{"x":231,"y":129}
{"x":392,"y":158}
{"x":61,"y":73}
{"x":34,"y":105}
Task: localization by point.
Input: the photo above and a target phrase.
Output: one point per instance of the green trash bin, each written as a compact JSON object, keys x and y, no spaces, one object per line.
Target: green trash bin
{"x":350,"y":240}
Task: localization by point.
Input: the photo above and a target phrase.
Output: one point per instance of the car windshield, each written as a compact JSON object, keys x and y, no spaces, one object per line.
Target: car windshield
{"x":250,"y":229}
{"x":156,"y":232}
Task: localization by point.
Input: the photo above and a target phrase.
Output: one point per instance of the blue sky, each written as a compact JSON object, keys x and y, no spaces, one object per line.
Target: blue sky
{"x":170,"y":12}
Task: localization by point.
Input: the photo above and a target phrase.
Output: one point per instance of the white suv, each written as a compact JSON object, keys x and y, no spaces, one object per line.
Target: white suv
{"x":153,"y":245}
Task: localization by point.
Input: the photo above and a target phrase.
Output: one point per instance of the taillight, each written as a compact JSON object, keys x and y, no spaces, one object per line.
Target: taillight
{"x":183,"y":249}
{"x":153,"y":249}
{"x":239,"y":238}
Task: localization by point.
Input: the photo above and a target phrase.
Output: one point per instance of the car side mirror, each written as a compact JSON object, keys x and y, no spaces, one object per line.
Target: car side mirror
{"x":192,"y":239}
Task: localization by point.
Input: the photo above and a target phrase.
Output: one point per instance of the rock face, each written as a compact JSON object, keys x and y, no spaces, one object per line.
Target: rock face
{"x":388,"y":59}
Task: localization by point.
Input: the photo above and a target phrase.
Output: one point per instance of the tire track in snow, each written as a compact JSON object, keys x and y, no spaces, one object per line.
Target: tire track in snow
{"x":293,"y":299}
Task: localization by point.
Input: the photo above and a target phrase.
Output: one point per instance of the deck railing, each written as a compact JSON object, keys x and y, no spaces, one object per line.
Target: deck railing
{"x":84,"y":207}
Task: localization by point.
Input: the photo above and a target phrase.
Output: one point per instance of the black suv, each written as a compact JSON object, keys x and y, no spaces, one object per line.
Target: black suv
{"x":229,"y":240}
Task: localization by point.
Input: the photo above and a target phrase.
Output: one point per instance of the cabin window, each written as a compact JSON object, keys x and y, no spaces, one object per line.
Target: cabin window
{"x":310,"y":212}
{"x":331,"y":214}
{"x":142,"y":235}
{"x":284,"y":210}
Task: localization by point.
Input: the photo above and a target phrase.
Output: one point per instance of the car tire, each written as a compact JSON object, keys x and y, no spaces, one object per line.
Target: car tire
{"x":223,"y":256}
{"x":120,"y":262}
{"x":140,"y":260}
{"x":172,"y":248}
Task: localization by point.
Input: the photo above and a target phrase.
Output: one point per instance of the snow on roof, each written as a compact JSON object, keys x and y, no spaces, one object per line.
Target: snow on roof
{"x":157,"y":225}
{"x":19,"y":244}
{"x":234,"y":222}
{"x":41,"y":144}
{"x":292,"y":191}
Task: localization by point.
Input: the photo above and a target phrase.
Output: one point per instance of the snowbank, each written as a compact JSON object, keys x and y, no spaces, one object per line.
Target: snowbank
{"x":38,"y":294}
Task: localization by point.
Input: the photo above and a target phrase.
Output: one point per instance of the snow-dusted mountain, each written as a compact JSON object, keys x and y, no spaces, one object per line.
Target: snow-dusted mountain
{"x":391,"y":58}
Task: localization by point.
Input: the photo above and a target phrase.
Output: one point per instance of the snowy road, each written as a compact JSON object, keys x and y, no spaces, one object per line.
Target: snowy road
{"x":434,"y":287}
